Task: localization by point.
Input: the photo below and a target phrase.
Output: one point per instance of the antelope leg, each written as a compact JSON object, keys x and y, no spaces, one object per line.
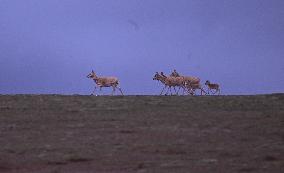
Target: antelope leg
{"x":113,"y":90}
{"x":178,"y":90}
{"x":120,"y":90}
{"x":175,"y":90}
{"x":171,"y":90}
{"x":182,"y":90}
{"x":203,"y":91}
{"x":94,"y":90}
{"x":163,"y":90}
{"x":212,"y":92}
{"x":167,"y":90}
{"x":191,"y":92}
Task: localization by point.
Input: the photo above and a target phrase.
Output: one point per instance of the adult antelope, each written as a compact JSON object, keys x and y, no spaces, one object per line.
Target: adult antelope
{"x":162,"y":78}
{"x":105,"y":82}
{"x":169,"y":82}
{"x":213,"y":86}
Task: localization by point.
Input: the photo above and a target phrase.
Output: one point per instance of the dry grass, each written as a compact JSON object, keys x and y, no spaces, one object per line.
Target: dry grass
{"x":54,"y":133}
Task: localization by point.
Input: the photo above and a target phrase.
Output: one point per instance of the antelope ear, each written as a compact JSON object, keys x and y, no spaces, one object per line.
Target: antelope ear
{"x":92,"y":71}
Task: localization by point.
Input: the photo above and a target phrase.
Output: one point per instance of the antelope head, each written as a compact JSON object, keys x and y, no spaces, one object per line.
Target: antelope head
{"x":157,"y":76}
{"x":92,"y":75}
{"x":207,"y":82}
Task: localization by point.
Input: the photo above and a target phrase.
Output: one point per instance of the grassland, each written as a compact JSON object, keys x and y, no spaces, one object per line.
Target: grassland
{"x":121,"y":134}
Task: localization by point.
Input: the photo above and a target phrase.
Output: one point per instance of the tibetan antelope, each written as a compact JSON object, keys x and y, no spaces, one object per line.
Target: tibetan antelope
{"x":169,"y":82}
{"x":105,"y":82}
{"x":212,"y":86}
{"x":162,"y":78}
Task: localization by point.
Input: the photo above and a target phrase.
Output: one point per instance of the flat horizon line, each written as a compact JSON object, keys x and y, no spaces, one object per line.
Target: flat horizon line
{"x":28,"y":94}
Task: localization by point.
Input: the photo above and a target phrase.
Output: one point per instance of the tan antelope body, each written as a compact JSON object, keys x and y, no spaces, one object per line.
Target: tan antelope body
{"x":191,"y":79}
{"x":105,"y":82}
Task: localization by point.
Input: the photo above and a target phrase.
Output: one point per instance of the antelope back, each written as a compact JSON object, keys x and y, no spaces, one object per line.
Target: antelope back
{"x":192,"y":80}
{"x":107,"y":81}
{"x":175,"y":81}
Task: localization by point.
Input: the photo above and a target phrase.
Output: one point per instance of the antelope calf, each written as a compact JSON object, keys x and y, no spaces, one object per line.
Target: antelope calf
{"x":213,"y":86}
{"x":105,"y":82}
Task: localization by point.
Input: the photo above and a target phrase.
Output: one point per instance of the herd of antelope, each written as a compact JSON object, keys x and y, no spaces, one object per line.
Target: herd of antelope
{"x":175,"y":81}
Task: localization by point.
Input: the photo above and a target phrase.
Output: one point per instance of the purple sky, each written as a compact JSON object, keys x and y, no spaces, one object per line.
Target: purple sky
{"x":49,"y":46}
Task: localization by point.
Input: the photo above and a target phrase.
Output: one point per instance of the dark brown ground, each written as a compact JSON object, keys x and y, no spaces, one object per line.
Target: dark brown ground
{"x":183,"y":134}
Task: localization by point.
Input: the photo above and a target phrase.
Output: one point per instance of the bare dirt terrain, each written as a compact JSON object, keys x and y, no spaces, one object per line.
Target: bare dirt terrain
{"x":121,"y":134}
